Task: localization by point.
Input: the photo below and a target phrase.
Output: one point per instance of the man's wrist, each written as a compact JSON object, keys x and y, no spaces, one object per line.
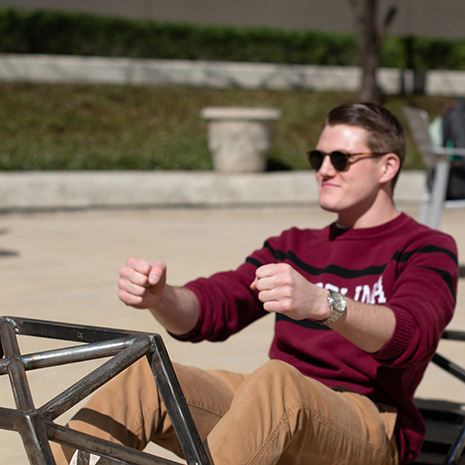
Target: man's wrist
{"x":337,"y":305}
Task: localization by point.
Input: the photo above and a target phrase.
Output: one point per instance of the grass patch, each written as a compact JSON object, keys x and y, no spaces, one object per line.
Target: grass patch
{"x":94,"y":127}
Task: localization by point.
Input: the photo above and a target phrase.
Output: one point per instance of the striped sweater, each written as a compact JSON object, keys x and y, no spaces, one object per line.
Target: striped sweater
{"x":408,"y":267}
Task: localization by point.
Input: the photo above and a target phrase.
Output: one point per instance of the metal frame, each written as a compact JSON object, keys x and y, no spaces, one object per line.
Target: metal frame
{"x":36,"y":425}
{"x":445,"y":443}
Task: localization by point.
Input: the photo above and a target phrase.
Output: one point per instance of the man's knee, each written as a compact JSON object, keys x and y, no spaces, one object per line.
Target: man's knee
{"x":277,"y":370}
{"x":281,"y":381}
{"x":285,"y":387}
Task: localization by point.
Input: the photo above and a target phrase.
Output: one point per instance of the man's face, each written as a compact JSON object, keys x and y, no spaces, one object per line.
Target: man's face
{"x":349,"y":193}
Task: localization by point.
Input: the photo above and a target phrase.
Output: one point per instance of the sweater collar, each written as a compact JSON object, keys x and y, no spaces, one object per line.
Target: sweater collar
{"x":336,"y":231}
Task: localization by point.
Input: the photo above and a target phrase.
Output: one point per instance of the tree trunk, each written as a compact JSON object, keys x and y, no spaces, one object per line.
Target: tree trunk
{"x":369,"y":52}
{"x":369,"y":40}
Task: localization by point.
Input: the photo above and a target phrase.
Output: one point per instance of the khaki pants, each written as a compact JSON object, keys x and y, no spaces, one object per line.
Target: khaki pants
{"x":272,"y":416}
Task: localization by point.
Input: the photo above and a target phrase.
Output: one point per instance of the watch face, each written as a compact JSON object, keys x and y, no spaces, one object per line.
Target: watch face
{"x":339,"y":301}
{"x":337,"y":304}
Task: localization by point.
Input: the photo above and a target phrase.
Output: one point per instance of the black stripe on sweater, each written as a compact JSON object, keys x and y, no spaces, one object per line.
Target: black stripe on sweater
{"x":309,"y":324}
{"x":333,"y":269}
{"x":348,"y":273}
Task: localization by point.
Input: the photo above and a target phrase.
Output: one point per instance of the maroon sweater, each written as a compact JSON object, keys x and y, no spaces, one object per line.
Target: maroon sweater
{"x":408,"y":267}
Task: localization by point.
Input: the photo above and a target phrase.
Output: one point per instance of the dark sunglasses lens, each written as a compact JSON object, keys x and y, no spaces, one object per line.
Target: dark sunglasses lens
{"x":315,"y":157}
{"x":338,"y":160}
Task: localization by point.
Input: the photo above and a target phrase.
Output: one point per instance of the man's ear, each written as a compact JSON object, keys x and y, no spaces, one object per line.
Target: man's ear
{"x":390,"y":164}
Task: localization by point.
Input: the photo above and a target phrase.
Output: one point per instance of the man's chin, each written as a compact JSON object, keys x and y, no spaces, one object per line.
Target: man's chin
{"x":329,"y":207}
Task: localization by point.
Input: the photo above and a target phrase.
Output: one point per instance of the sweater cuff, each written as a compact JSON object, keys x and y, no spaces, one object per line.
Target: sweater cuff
{"x":400,"y":340}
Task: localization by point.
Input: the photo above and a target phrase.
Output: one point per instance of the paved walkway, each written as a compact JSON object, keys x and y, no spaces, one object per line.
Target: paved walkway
{"x":64,"y":266}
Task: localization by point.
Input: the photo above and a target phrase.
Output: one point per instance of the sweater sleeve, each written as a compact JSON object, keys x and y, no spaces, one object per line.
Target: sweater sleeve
{"x":227,"y":304}
{"x":423,"y":299}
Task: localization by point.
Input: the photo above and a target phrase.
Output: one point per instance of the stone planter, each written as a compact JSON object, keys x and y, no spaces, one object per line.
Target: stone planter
{"x":239,"y":138}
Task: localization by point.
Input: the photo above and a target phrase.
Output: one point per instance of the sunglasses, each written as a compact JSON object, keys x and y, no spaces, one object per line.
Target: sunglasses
{"x":340,"y":160}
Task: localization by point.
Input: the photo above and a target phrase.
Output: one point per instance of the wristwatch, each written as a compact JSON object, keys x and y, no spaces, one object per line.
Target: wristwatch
{"x":338,"y":306}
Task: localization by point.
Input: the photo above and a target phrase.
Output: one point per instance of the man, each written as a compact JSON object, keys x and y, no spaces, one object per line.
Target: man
{"x":359,"y":305}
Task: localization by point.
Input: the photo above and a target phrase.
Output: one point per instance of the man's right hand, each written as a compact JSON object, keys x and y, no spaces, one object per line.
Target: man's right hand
{"x":141,"y":283}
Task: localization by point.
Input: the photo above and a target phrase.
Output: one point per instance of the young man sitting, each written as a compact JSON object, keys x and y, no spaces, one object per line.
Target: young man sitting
{"x":359,"y":306}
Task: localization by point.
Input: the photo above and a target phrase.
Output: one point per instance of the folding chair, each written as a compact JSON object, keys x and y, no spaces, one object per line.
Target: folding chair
{"x":437,"y":162}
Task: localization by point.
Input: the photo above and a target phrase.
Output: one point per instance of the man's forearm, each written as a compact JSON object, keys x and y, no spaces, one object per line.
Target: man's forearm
{"x":367,"y":326}
{"x":177,"y":309}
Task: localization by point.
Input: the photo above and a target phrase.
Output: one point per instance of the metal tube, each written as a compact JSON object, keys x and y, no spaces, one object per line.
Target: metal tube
{"x":35,"y":440}
{"x":68,"y":332}
{"x":33,"y":433}
{"x":449,"y":366}
{"x":454,"y":335}
{"x":176,"y":406}
{"x":102,"y":447}
{"x":74,"y":354}
{"x":10,"y":419}
{"x":439,"y":191}
{"x":90,"y":383}
{"x":457,"y":448}
{"x":14,"y":367}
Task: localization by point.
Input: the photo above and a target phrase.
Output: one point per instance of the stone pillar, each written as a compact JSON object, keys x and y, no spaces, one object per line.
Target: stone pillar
{"x":239,"y":138}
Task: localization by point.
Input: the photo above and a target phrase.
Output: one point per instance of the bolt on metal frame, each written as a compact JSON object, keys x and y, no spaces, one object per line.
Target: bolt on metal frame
{"x":36,"y":425}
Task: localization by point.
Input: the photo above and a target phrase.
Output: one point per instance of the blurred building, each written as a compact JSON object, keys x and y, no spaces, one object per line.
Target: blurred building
{"x":433,"y":18}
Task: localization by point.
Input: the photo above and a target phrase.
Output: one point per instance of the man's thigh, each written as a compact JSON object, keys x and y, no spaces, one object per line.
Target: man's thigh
{"x":129,"y":410}
{"x":280,"y":416}
{"x":208,"y":394}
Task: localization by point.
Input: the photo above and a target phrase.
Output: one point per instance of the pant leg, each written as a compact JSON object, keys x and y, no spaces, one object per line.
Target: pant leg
{"x":279,"y":416}
{"x":275,"y":416}
{"x":129,"y":410}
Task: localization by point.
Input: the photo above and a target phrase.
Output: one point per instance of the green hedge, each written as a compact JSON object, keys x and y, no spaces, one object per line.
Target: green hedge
{"x":101,"y":127}
{"x":91,"y":35}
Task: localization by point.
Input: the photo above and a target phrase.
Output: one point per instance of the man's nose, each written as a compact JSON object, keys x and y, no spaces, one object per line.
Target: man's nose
{"x":326,"y":167}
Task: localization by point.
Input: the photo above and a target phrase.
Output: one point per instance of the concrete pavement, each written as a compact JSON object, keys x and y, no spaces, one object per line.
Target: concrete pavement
{"x":64,"y":266}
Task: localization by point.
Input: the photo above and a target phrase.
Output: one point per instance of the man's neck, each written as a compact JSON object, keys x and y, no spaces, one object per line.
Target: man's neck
{"x":377,"y":213}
